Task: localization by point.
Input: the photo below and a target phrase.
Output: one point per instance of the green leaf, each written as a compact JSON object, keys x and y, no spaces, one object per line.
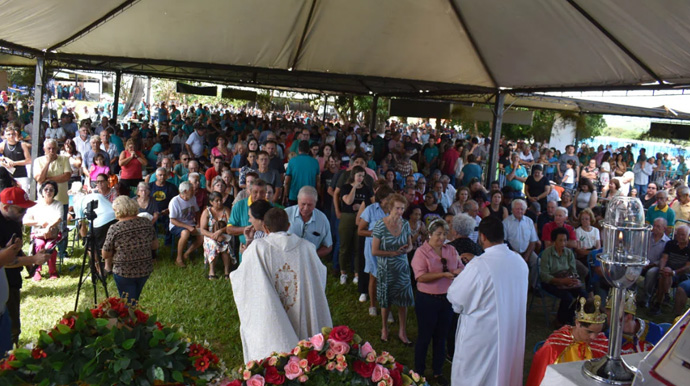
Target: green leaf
{"x":77,"y":340}
{"x":158,"y":374}
{"x":100,"y":322}
{"x":177,"y":376}
{"x":128,"y":344}
{"x":63,"y":329}
{"x":158,"y":334}
{"x":44,"y":382}
{"x":22,"y":353}
{"x":174,"y":349}
{"x":45,"y":338}
{"x":33,"y":367}
{"x":153,"y":342}
{"x":57,"y":366}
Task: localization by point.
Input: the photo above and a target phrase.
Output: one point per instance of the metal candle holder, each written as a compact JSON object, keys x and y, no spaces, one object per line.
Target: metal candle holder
{"x":625,"y":238}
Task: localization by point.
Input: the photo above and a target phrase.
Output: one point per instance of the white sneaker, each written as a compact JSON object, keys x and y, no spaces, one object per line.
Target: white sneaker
{"x":372,"y":311}
{"x":355,"y":280}
{"x":362,"y":298}
{"x":343,"y":278}
{"x":391,"y":320}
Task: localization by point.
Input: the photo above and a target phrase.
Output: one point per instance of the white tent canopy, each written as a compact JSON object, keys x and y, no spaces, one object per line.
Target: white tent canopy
{"x":385,"y":46}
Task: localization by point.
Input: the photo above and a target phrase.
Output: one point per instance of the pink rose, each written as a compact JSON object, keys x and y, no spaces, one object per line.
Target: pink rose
{"x":295,"y":351}
{"x":317,"y":340}
{"x":303,"y":363}
{"x":338,"y":347}
{"x":256,"y":380}
{"x":365,"y":350}
{"x":341,"y":367}
{"x":246,"y":374}
{"x":330,"y":366}
{"x":371,"y":357}
{"x":379,"y":372}
{"x":303,"y":378}
{"x":382,"y":383}
{"x":330,"y":354}
{"x":272,"y":361}
{"x":292,"y":368}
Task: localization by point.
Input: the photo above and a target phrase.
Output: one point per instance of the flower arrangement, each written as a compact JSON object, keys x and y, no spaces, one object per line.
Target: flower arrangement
{"x":114,"y":343}
{"x":336,"y":356}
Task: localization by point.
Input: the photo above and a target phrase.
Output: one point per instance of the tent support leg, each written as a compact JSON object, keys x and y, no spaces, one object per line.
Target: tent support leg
{"x":374,"y":105}
{"x":495,"y":138}
{"x":116,"y":97}
{"x":38,"y":109}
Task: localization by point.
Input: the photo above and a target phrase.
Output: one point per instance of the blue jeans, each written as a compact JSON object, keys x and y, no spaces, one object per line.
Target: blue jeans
{"x":641,"y":189}
{"x":434,"y":315}
{"x":130,"y":287}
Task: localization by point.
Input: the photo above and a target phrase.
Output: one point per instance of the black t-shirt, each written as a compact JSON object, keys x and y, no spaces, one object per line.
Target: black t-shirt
{"x":162,"y":195}
{"x":429,"y":215}
{"x":326,"y":181}
{"x":677,"y":257}
{"x":7,"y":229}
{"x":362,"y":195}
{"x":536,"y":188}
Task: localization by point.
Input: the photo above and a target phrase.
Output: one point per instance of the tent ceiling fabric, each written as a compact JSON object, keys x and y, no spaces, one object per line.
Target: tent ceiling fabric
{"x":361,"y":46}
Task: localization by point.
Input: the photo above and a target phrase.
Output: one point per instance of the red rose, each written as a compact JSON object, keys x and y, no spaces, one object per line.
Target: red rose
{"x":96,"y":312}
{"x":69,"y":322}
{"x":201,"y":364}
{"x":141,"y":316}
{"x":342,"y":334}
{"x":159,"y":325}
{"x":399,"y":367}
{"x":5,"y":365}
{"x":314,"y":359}
{"x":236,"y":382}
{"x":38,"y":353}
{"x":273,"y":377}
{"x":397,"y":378}
{"x":364,"y":369}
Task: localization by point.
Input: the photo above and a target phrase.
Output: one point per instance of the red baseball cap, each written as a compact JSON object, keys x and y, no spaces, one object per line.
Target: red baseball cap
{"x":16,"y":196}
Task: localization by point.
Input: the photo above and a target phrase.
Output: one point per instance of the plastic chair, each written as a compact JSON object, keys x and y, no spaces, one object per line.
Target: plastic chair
{"x":543,"y":295}
{"x":665,"y":327}
{"x":538,"y":346}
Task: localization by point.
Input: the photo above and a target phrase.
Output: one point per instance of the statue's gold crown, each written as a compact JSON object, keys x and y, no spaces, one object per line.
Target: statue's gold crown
{"x":596,"y":317}
{"x":628,"y":300}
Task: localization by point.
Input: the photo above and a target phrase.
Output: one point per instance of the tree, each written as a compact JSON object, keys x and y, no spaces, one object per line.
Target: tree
{"x":22,"y":76}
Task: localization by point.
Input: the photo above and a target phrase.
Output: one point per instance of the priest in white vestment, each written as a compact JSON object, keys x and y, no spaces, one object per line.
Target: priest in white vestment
{"x":490,"y":295}
{"x":279,"y":290}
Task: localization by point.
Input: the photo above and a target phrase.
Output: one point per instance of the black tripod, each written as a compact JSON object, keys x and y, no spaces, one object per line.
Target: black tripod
{"x":90,"y":255}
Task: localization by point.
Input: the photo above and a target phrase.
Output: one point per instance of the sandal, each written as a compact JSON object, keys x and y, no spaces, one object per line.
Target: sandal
{"x":227,"y":276}
{"x":212,"y":277}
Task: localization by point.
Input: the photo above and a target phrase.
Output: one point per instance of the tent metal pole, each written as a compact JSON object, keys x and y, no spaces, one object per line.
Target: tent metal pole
{"x":374,"y":105}
{"x":116,"y":97}
{"x":148,"y":92}
{"x":38,"y":109}
{"x":495,"y":137}
{"x":325,"y":106}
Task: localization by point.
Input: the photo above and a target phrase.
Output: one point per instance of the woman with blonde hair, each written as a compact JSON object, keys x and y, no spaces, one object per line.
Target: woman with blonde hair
{"x":392,"y":240}
{"x":127,"y":248}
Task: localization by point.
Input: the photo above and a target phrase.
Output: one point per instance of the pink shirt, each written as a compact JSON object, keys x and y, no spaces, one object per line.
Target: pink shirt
{"x":425,"y":260}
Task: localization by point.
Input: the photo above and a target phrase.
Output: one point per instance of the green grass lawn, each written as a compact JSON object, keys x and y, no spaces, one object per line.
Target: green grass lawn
{"x":206,"y":309}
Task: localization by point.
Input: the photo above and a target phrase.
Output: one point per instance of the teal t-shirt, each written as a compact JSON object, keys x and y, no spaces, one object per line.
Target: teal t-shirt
{"x":117,"y":142}
{"x":430,"y":153}
{"x":303,"y":170}
{"x":239,"y":216}
{"x":515,"y":184}
{"x":668,"y":214}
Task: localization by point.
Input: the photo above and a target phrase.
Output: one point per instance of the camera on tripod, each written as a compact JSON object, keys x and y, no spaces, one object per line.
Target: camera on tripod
{"x":90,"y":212}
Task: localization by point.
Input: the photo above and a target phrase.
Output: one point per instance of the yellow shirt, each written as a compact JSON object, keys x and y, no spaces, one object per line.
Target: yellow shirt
{"x":57,"y":168}
{"x":682,"y":211}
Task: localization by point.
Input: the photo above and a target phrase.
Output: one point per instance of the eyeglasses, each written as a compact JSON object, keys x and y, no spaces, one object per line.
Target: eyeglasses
{"x":101,"y":181}
{"x":48,"y":190}
{"x":185,"y":159}
{"x":444,"y":261}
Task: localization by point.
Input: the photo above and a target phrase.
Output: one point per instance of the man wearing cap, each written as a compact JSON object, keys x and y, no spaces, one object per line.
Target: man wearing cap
{"x":14,"y":203}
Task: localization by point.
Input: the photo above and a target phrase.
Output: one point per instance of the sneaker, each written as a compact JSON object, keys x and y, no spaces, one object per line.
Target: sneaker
{"x":391,"y":320}
{"x":372,"y":311}
{"x":37,"y":276}
{"x":53,"y":276}
{"x":355,"y":280}
{"x":362,"y":298}
{"x":343,"y":278}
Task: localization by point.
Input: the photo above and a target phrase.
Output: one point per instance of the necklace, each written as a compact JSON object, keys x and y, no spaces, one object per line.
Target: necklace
{"x":11,"y":147}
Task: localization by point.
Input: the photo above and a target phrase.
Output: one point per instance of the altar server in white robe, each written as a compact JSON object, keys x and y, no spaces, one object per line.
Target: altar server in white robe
{"x":280,"y":290}
{"x":490,"y":295}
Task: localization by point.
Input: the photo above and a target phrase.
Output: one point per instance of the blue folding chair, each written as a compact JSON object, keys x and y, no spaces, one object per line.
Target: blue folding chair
{"x":543,"y":295}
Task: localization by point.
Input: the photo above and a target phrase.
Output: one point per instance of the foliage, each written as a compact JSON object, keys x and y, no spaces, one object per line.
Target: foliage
{"x":21,"y":76}
{"x":353,"y":108}
{"x":113,"y":343}
{"x":335,"y":356}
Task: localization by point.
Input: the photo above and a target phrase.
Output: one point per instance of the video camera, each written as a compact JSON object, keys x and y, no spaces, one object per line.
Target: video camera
{"x":90,"y":212}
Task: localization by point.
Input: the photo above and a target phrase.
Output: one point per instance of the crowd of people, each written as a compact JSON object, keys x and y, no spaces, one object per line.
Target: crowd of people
{"x":401,"y":214}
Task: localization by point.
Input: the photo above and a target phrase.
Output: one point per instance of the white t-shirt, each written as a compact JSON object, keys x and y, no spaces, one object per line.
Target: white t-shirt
{"x":196,"y":143}
{"x":183,"y":211}
{"x":588,"y":240}
{"x":569,"y":176}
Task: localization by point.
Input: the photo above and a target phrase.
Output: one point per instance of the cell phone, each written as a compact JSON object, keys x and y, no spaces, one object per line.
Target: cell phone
{"x":13,"y":238}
